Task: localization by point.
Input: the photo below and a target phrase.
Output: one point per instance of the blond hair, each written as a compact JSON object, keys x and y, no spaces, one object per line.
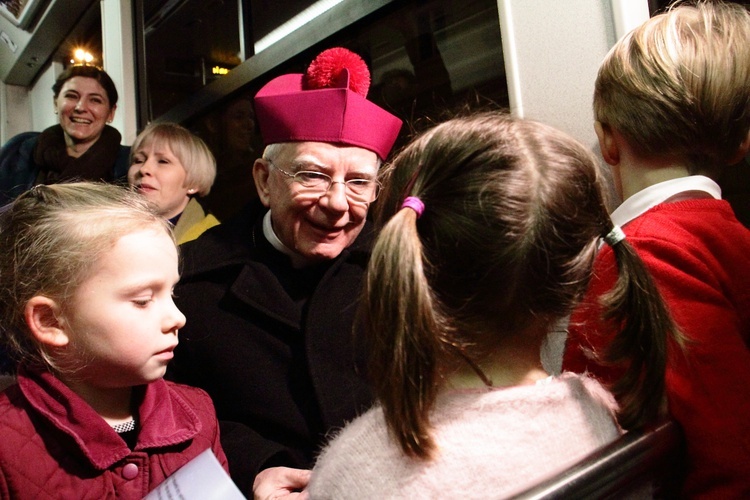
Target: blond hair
{"x":679,"y":85}
{"x":193,"y":153}
{"x":50,"y":237}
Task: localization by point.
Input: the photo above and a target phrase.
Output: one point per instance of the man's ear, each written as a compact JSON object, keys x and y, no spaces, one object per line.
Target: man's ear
{"x":44,"y":319}
{"x":607,"y":143}
{"x":261,"y":172}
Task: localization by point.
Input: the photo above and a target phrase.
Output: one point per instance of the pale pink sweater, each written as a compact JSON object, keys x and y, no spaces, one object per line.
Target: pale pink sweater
{"x":491,"y":443}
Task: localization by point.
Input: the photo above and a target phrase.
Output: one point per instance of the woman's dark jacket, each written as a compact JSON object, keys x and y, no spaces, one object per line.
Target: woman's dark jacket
{"x":19,"y":170}
{"x":272,"y":345}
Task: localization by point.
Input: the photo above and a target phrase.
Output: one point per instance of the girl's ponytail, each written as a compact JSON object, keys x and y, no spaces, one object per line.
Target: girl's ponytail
{"x":635,"y":305}
{"x":402,"y":329}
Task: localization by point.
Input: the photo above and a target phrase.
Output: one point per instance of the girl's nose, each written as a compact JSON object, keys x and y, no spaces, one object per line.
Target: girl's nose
{"x":175,"y":319}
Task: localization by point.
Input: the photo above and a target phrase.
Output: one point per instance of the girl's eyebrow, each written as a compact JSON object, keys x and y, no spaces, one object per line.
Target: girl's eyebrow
{"x":141,"y":286}
{"x":148,"y":284}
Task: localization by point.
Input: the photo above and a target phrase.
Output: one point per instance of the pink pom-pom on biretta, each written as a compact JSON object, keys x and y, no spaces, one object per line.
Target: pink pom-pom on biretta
{"x":326,"y":71}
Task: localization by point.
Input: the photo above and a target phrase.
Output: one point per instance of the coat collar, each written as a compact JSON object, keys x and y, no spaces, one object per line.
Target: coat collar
{"x":231,"y":243}
{"x":164,"y":417}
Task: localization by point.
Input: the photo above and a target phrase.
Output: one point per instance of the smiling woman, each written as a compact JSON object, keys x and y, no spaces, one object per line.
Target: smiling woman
{"x":80,"y":147}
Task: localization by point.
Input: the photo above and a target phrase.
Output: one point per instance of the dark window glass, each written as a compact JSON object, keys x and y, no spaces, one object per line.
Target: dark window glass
{"x":230,"y":132}
{"x":431,"y":57}
{"x":187,"y":45}
{"x":267,"y":15}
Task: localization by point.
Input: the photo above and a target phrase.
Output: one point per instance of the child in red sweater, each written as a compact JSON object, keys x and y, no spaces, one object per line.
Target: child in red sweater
{"x":672,"y":108}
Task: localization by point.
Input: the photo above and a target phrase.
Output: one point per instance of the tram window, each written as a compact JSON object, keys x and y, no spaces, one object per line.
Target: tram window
{"x":187,"y":45}
{"x":436,"y":50}
{"x":429,"y":57}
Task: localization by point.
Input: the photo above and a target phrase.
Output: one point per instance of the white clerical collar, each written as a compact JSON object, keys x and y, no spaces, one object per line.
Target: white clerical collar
{"x":684,"y":188}
{"x":298,"y":261}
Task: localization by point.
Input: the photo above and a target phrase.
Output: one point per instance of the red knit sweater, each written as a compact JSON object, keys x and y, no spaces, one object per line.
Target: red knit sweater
{"x":699,"y":255}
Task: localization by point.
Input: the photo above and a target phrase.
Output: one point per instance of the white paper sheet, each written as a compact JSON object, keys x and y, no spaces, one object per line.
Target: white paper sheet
{"x":202,"y":478}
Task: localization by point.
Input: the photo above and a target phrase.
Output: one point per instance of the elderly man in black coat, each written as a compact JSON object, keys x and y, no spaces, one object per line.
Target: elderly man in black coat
{"x":271,"y":295}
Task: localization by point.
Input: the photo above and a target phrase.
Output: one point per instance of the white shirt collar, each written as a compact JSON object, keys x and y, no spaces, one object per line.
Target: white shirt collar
{"x":298,"y":261}
{"x":692,"y":186}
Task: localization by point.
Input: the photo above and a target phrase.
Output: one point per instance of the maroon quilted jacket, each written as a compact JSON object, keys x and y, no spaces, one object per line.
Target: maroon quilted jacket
{"x":54,"y":445}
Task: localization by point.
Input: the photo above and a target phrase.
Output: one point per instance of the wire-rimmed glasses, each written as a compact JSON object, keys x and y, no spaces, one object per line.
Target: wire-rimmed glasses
{"x":318,"y":183}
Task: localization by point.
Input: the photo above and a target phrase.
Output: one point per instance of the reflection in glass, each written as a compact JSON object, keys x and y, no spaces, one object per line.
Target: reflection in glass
{"x":429,"y":58}
{"x":188,"y":44}
{"x":231,"y":135}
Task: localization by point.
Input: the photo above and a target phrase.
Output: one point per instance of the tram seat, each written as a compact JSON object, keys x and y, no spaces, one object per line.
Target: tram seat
{"x":621,"y":469}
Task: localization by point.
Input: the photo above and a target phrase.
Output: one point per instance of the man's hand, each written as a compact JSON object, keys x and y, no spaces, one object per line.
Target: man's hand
{"x":277,"y":483}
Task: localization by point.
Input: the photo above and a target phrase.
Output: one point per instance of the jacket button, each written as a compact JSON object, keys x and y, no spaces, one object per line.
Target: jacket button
{"x":130,"y":471}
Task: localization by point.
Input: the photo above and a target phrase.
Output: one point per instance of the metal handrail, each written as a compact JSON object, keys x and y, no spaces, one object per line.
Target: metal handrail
{"x":634,"y":459}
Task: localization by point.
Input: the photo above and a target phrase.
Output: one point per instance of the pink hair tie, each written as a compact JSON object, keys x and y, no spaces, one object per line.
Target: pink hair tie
{"x":415,"y":204}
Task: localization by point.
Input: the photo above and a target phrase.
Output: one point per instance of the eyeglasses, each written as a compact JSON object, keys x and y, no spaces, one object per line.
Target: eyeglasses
{"x":318,"y":183}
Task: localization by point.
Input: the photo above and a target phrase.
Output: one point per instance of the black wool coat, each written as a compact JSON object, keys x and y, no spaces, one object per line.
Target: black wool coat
{"x":273,"y":346}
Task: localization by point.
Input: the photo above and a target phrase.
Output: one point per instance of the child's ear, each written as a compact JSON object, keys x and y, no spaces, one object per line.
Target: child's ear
{"x":742,"y":151}
{"x":44,"y":318}
{"x":607,"y":143}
